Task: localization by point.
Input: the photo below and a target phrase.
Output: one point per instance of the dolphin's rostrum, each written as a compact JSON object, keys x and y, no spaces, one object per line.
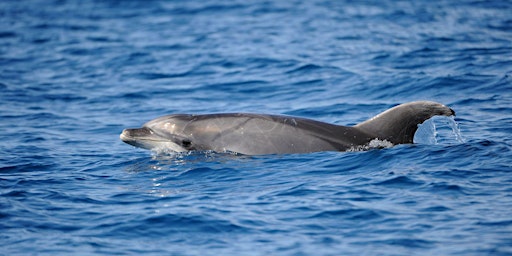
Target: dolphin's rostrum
{"x":256,"y":134}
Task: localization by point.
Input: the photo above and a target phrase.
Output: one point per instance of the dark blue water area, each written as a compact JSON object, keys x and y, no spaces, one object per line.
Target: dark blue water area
{"x":74,"y":74}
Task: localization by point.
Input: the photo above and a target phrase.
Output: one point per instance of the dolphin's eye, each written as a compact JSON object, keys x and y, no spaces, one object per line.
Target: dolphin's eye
{"x":186,"y":143}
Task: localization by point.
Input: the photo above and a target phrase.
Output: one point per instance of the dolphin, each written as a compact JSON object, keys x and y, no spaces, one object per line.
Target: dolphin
{"x":258,"y":134}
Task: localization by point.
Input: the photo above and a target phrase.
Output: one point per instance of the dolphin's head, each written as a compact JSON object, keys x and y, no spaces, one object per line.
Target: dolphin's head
{"x":149,"y":139}
{"x":161,"y":133}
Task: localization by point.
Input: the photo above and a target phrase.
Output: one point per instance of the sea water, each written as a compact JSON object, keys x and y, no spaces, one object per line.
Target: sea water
{"x":74,"y":74}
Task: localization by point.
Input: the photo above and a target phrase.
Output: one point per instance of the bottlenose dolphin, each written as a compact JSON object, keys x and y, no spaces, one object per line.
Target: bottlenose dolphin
{"x":256,"y":134}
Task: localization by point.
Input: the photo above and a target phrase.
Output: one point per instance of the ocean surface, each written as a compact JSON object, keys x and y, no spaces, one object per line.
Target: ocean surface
{"x":74,"y":74}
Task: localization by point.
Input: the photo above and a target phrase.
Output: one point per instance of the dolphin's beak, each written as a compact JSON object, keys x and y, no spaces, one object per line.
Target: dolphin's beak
{"x":146,"y":138}
{"x":130,"y":134}
{"x":138,"y":137}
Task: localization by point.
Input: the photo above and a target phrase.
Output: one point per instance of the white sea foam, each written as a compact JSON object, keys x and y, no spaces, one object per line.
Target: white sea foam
{"x":373,"y":144}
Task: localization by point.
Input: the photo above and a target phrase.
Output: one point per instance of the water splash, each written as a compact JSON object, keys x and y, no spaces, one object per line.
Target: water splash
{"x":426,"y":133}
{"x":455,"y":129}
{"x":438,"y":130}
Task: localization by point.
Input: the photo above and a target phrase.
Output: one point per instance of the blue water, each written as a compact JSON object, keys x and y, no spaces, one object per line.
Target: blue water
{"x":73,"y":74}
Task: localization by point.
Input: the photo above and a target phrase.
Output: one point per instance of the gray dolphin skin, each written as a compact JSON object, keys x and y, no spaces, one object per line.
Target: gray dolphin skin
{"x":257,"y":134}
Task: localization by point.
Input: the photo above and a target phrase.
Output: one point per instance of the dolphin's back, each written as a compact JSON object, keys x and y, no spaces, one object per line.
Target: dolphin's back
{"x":255,"y":134}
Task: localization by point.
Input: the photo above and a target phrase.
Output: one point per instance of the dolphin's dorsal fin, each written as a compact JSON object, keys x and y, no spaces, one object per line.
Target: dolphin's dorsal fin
{"x":398,"y":125}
